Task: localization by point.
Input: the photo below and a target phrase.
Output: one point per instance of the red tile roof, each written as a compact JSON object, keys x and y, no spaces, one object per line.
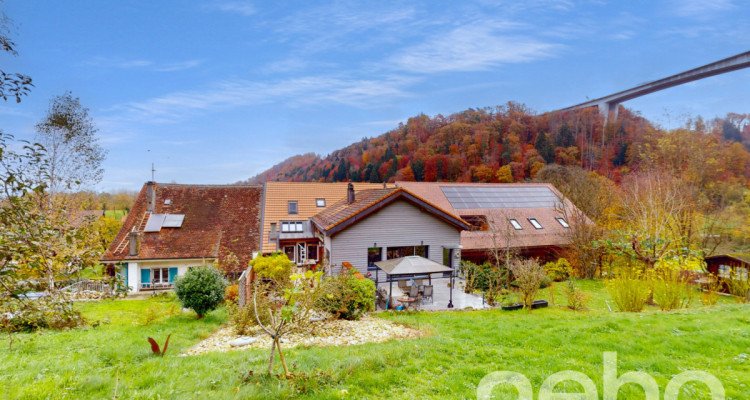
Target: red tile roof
{"x":342,"y":214}
{"x":553,"y":233}
{"x":219,"y":220}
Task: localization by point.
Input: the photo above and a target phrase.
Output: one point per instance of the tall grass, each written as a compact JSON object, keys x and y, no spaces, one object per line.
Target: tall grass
{"x":629,"y":293}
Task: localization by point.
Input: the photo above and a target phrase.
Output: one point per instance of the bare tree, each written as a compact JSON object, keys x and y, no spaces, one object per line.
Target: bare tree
{"x":592,"y":196}
{"x":74,"y":155}
{"x":656,"y":208}
{"x":289,"y":308}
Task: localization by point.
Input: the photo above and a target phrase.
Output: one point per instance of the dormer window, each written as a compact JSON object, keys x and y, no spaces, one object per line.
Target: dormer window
{"x":320,"y":202}
{"x":291,"y":208}
{"x":291,"y":226}
{"x":515,"y":224}
{"x":535,"y":223}
{"x":477,"y":222}
{"x":562,"y":222}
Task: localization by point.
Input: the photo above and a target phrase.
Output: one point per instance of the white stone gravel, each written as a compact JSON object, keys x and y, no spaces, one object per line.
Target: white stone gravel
{"x":328,"y":332}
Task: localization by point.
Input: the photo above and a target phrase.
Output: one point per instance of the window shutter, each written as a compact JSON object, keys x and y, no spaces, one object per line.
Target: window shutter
{"x":124,"y":273}
{"x":172,"y":274}
{"x":145,"y":275}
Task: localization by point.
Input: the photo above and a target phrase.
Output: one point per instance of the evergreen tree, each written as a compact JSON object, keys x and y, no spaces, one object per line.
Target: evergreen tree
{"x":544,"y":148}
{"x":565,"y":136}
{"x":417,"y":166}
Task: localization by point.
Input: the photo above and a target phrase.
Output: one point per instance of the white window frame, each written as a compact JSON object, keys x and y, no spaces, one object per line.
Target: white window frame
{"x":535,"y":223}
{"x":740,"y":274}
{"x":320,"y":202}
{"x":563,"y":222}
{"x":162,"y":279}
{"x":515,"y":224}
{"x":725,"y":271}
{"x":291,"y":227}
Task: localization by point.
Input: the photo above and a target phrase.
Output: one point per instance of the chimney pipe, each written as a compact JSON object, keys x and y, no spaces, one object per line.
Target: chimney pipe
{"x":133,"y":237}
{"x":350,"y":193}
{"x":151,"y":196}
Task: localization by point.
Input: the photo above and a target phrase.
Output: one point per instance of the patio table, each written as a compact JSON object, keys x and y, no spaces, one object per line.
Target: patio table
{"x":406,"y":301}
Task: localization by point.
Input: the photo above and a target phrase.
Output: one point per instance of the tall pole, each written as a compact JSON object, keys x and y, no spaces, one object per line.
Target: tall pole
{"x":450,"y":302}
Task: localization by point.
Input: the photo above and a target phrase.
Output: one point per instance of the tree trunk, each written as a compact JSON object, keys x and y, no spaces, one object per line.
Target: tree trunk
{"x":270,"y":359}
{"x":50,"y":278}
{"x":281,"y":355}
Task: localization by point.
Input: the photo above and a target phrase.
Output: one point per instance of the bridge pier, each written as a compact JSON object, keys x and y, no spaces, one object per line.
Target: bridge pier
{"x":609,"y":104}
{"x":607,"y":109}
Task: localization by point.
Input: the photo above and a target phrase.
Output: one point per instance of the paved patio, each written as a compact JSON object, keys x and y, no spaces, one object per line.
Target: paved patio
{"x":441,"y":295}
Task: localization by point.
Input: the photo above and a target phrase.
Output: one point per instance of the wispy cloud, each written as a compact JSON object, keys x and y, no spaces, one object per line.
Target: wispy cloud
{"x":472,"y":47}
{"x":347,"y":25}
{"x":107,"y":62}
{"x":245,"y":8}
{"x":292,"y":92}
{"x":180,"y":142}
{"x":702,"y":8}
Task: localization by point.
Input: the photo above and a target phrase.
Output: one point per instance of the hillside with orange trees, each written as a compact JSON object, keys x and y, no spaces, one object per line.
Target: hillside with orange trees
{"x":511,"y":143}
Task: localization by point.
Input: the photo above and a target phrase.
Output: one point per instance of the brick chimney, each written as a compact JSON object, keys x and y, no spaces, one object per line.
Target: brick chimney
{"x":150,"y":196}
{"x":350,"y":193}
{"x":133,"y":237}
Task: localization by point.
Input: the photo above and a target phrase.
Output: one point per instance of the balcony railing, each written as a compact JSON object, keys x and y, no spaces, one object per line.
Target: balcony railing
{"x":156,"y":286}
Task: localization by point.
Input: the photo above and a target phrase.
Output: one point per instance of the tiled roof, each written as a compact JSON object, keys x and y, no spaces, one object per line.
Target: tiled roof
{"x":368,"y":201}
{"x":552,"y":234}
{"x":277,"y":194}
{"x":219,"y":220}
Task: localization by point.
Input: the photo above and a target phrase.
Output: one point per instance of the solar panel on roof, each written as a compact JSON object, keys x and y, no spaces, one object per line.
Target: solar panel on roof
{"x":155,"y":222}
{"x":173,"y":221}
{"x":489,"y":197}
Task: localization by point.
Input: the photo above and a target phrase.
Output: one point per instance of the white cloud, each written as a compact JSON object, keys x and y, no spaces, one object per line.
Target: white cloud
{"x":178,"y":66}
{"x":702,"y":8}
{"x":114,"y":62}
{"x":245,"y":8}
{"x":472,"y":47}
{"x":312,"y":90}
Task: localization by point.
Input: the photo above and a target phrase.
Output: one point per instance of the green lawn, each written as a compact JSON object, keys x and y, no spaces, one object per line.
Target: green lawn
{"x":449,"y":363}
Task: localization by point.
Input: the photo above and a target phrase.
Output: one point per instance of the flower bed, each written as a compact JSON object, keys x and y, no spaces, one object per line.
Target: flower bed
{"x":329,"y":332}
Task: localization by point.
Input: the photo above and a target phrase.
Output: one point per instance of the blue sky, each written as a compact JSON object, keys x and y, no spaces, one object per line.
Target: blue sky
{"x":217,"y":91}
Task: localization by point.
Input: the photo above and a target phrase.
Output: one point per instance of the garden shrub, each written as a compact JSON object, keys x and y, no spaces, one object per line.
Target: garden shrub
{"x":629,"y":293}
{"x":43,"y":313}
{"x":529,"y":276}
{"x":232,"y":294}
{"x":739,"y":288}
{"x":558,"y":271}
{"x":671,"y":293}
{"x":710,"y":295}
{"x":201,"y":289}
{"x":243,"y":317}
{"x":276,"y":267}
{"x":345,"y":296}
{"x":577,"y":300}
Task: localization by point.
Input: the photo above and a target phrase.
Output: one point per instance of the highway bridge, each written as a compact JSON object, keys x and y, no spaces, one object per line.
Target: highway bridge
{"x":608,"y":104}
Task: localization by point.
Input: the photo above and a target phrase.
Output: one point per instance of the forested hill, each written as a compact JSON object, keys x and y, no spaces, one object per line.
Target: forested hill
{"x":510,"y":143}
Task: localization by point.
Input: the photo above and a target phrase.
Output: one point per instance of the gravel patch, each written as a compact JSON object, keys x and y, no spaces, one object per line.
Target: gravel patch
{"x":330,"y":332}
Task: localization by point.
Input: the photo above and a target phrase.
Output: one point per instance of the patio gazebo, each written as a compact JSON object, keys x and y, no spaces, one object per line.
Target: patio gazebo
{"x":412,"y":267}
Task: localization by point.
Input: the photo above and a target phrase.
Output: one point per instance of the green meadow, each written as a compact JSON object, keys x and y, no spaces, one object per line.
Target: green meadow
{"x":114,"y":360}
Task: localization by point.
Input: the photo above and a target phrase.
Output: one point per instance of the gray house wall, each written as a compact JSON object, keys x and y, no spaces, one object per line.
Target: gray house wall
{"x":398,"y":224}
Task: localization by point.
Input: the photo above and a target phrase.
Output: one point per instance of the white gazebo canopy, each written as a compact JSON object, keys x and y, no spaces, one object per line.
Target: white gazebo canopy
{"x":411,"y":265}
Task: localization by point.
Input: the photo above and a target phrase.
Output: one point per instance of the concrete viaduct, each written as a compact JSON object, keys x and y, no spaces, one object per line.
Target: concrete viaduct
{"x":608,"y":104}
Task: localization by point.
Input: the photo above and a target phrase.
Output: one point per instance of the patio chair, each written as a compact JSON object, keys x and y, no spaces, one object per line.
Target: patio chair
{"x":414,"y":291}
{"x":402,"y":285}
{"x":427,"y":294}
